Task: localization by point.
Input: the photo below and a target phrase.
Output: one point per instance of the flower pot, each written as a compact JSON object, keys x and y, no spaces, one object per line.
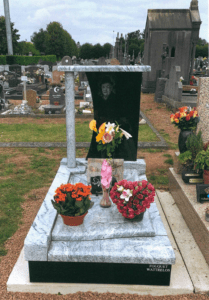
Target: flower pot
{"x":206,"y":176}
{"x":183,"y":135}
{"x":137,"y":218}
{"x":73,"y":220}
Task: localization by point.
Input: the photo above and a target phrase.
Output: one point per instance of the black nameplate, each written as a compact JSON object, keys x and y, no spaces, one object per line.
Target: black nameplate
{"x":102,"y":273}
{"x":191,"y":177}
{"x":201,"y":193}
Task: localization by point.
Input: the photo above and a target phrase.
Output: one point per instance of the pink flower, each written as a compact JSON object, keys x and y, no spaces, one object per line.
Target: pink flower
{"x":107,"y":138}
{"x":106,"y":173}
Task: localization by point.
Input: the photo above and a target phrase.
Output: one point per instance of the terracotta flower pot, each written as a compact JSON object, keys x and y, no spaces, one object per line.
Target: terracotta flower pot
{"x":206,"y":176}
{"x":73,"y":220}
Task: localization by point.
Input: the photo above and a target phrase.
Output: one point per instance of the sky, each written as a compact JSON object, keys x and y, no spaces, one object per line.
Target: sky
{"x":94,"y":21}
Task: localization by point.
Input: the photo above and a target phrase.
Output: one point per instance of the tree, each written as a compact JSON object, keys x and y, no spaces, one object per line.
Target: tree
{"x":55,"y":40}
{"x":107,"y":49}
{"x":3,"y":37}
{"x":86,"y":51}
{"x":39,"y":40}
{"x":201,"y":51}
{"x":97,"y":51}
{"x":26,"y":47}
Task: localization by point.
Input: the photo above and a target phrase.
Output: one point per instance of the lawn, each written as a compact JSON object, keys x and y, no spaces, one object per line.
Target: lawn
{"x":31,"y":132}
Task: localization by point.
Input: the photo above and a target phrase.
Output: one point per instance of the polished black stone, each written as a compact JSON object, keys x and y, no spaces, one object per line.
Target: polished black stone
{"x":116,"y":98}
{"x":107,"y":273}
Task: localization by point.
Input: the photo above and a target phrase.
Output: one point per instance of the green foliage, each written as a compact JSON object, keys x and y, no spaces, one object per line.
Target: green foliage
{"x":26,"y":47}
{"x":3,"y":60}
{"x":135,"y":43}
{"x":28,"y":60}
{"x":169,"y":161}
{"x":3,"y":37}
{"x":201,"y":161}
{"x":55,"y":41}
{"x":97,"y":51}
{"x":85,"y":51}
{"x":194,"y":143}
{"x":39,"y":40}
{"x":185,"y":158}
{"x":201,"y":50}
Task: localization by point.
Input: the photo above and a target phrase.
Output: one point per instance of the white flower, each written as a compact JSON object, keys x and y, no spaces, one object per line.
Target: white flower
{"x":127,"y":135}
{"x":126,"y":194}
{"x":120,"y":188}
{"x":110,"y":127}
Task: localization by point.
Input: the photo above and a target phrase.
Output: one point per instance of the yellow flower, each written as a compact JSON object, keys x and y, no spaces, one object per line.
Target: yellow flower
{"x":102,"y":128}
{"x":176,"y":120}
{"x":195,"y":114}
{"x":92,"y":125}
{"x":182,"y":114}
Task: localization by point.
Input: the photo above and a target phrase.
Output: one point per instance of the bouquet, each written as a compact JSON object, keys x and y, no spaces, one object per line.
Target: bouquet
{"x":185,"y":118}
{"x":132,"y":198}
{"x":109,"y":136}
{"x":72,"y":199}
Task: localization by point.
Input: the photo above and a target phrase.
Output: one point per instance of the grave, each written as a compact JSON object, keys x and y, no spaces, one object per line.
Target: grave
{"x":31,"y":98}
{"x":98,"y":251}
{"x":173,"y":92}
{"x":57,"y":101}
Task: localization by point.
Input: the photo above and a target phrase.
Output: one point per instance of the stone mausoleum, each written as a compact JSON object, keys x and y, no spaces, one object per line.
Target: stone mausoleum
{"x":171,"y":36}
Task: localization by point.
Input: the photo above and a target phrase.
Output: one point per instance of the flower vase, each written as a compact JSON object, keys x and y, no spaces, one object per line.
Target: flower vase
{"x":183,"y":135}
{"x":105,"y":202}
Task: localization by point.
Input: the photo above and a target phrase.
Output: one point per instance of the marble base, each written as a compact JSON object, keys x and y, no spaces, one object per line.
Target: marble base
{"x":104,"y":237}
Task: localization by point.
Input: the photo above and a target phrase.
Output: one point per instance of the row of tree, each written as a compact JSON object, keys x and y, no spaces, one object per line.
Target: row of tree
{"x":56,"y":40}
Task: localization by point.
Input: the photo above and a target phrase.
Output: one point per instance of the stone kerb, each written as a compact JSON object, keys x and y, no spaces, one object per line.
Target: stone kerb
{"x":203,"y":108}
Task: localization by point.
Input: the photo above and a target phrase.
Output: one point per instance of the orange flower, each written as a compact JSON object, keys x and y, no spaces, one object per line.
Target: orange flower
{"x":92,"y":125}
{"x":195,"y":114}
{"x":99,"y":137}
{"x":182,"y":109}
{"x":176,"y":120}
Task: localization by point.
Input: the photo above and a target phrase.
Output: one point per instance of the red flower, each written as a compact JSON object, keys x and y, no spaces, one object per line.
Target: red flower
{"x":187,"y":118}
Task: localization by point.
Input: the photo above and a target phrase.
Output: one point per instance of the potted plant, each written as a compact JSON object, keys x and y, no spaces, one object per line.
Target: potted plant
{"x":132,"y":198}
{"x":72,"y":202}
{"x":201,"y":163}
{"x":186,"y":120}
{"x":194,"y":145}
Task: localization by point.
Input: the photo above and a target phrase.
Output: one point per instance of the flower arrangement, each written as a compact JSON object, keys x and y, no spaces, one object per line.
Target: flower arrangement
{"x":109,"y":136}
{"x":132,"y":198}
{"x":72,"y":199}
{"x":185,"y":118}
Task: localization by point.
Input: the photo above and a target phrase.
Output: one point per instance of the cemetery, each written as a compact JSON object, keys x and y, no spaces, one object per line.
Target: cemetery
{"x":105,"y":169}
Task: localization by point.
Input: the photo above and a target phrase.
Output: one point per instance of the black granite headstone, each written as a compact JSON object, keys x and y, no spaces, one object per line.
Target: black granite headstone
{"x":56,"y":96}
{"x":116,"y":98}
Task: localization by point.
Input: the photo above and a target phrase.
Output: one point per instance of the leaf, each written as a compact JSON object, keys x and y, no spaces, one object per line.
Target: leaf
{"x":78,"y":204}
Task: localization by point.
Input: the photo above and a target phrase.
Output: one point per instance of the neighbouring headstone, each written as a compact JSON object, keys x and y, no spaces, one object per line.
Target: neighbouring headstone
{"x":66,"y":61}
{"x":56,"y":96}
{"x":56,"y":75}
{"x":203,"y":108}
{"x":16,"y":69}
{"x":31,"y":98}
{"x":101,"y":61}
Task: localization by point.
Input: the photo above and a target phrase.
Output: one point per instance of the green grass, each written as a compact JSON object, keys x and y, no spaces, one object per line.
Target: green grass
{"x":158,"y":180}
{"x":169,"y":161}
{"x":57,"y":133}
